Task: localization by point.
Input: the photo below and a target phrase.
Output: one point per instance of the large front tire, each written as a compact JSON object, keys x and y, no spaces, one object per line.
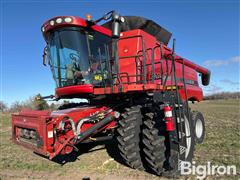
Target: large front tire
{"x":128,"y":137}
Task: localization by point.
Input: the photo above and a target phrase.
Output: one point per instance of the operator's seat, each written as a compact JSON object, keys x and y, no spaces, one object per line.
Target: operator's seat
{"x":69,"y":75}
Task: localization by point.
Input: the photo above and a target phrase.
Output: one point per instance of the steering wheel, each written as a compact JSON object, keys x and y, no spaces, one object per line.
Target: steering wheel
{"x":74,"y":56}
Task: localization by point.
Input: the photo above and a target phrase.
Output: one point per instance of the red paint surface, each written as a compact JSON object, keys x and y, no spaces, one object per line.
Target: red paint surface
{"x":74,"y":90}
{"x":44,"y":122}
{"x":76,"y":21}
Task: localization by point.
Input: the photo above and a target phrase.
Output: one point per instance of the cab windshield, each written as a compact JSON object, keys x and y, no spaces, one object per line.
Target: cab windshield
{"x":79,"y":57}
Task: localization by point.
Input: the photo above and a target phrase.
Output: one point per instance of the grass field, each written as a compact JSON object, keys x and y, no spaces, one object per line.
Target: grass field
{"x":100,"y":161}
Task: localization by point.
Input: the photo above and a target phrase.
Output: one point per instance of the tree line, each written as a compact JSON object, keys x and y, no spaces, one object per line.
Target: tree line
{"x":35,"y":103}
{"x":223,"y":95}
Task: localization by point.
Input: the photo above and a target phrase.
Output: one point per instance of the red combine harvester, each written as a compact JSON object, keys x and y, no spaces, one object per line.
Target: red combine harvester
{"x":137,"y":90}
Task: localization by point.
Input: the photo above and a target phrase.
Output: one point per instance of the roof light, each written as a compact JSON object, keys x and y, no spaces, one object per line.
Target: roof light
{"x":122,"y":19}
{"x":68,"y":19}
{"x":51,"y":23}
{"x":89,"y":17}
{"x":43,"y":29}
{"x":59,"y":20}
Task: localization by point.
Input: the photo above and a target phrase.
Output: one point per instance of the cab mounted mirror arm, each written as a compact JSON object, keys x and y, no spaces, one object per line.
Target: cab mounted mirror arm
{"x":116,"y":19}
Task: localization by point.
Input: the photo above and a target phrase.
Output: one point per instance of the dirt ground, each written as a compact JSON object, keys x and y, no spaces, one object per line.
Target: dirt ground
{"x":100,"y":161}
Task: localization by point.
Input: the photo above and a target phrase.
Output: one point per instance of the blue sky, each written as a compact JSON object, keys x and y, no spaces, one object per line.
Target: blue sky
{"x":207,"y":33}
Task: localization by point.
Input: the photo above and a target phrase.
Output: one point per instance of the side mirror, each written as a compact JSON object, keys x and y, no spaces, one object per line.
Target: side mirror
{"x":206,"y":78}
{"x":45,"y":56}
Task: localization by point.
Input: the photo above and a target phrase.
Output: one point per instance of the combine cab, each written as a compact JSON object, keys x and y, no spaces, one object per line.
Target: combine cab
{"x":137,"y":90}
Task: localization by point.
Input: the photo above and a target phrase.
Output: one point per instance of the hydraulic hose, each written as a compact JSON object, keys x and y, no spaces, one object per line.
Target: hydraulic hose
{"x":93,"y":129}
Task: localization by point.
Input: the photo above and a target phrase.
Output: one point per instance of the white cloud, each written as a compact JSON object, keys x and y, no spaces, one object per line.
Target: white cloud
{"x":211,"y":89}
{"x":225,"y":86}
{"x":215,"y":63}
{"x":235,"y":59}
{"x":229,"y":82}
{"x":218,"y":63}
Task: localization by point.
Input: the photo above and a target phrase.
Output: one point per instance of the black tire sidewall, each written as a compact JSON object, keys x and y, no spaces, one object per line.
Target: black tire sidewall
{"x":195,"y":117}
{"x":192,"y":145}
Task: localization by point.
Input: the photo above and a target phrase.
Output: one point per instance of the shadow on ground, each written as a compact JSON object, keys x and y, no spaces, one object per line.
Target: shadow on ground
{"x":109,"y":145}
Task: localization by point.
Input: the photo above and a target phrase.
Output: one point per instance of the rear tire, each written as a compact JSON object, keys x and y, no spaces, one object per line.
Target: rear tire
{"x":199,"y":126}
{"x":128,"y":137}
{"x":153,"y":143}
{"x":162,"y":156}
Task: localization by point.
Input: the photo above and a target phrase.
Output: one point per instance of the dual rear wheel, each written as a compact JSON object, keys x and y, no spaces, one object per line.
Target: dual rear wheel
{"x":144,"y":144}
{"x":163,"y":156}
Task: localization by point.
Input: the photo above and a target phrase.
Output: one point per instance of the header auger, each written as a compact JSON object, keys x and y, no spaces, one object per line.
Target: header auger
{"x":137,"y":90}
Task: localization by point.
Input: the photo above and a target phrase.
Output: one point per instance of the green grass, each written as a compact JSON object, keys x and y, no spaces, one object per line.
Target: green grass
{"x":221,"y":147}
{"x":222,"y":141}
{"x":5,"y":120}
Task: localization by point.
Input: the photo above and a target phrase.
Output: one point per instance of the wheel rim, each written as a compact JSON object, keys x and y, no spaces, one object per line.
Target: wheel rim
{"x":188,"y":137}
{"x":198,"y":128}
